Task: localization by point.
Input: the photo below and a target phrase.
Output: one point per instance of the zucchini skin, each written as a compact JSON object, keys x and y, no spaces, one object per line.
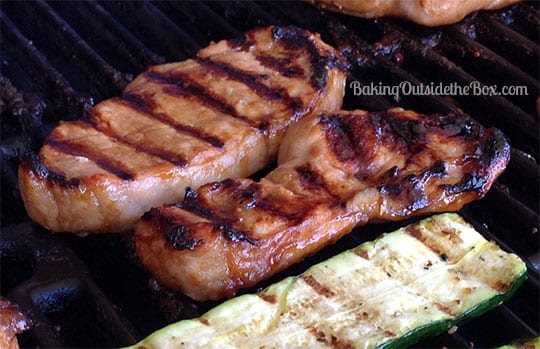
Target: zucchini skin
{"x":437,"y":328}
{"x":461,"y":257}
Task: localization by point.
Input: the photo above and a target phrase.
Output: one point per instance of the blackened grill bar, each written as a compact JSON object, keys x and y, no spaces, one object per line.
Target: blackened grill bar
{"x":94,"y":285}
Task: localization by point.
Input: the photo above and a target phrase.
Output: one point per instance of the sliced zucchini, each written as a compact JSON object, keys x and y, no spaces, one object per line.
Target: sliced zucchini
{"x":388,"y":293}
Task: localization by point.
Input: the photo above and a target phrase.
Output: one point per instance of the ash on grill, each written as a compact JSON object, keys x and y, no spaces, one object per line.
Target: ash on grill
{"x":59,"y":58}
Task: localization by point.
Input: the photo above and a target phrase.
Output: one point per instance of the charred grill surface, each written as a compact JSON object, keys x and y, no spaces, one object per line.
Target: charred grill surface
{"x":349,"y":169}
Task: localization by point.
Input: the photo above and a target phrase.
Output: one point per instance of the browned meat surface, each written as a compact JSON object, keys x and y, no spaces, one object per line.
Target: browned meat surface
{"x":13,"y":322}
{"x":336,"y":171}
{"x":425,"y":12}
{"x":219,"y":115}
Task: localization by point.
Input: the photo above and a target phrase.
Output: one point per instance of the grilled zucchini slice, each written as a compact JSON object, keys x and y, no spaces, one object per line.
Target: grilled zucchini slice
{"x":388,"y":293}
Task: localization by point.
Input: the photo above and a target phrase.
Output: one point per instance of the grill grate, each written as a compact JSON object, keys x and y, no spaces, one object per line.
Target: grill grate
{"x":71,"y":285}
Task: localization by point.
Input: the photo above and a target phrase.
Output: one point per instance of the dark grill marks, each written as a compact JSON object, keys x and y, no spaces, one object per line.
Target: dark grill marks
{"x":179,"y":237}
{"x":281,"y":64}
{"x":95,"y":155}
{"x":312,"y":180}
{"x":337,"y":133}
{"x":269,"y":298}
{"x":175,"y":159}
{"x":234,"y":235}
{"x":414,"y":186}
{"x":415,"y":232}
{"x":181,"y":84}
{"x":144,"y":105}
{"x":253,"y":81}
{"x":248,"y":197}
{"x":296,"y":38}
{"x":333,"y":341}
{"x":253,"y":197}
{"x":445,"y":309}
{"x":469,"y":182}
{"x":193,"y":204}
{"x":33,"y":162}
{"x":317,"y":286}
{"x":361,"y":253}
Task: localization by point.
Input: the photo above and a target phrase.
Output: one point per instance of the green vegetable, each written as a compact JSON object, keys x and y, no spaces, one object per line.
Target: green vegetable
{"x":388,"y":293}
{"x":530,"y":344}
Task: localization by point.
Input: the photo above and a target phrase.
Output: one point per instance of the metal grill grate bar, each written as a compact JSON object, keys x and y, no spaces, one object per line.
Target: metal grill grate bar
{"x":23,"y":58}
{"x":106,"y":36}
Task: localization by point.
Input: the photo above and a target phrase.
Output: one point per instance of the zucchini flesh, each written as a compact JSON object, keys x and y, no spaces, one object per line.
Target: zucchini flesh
{"x":388,"y":293}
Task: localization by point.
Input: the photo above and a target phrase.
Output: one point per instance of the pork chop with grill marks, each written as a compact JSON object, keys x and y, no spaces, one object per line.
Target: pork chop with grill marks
{"x":336,"y":171}
{"x":219,"y":115}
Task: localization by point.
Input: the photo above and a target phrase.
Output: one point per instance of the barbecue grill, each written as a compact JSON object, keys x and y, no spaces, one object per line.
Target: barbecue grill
{"x":60,"y":58}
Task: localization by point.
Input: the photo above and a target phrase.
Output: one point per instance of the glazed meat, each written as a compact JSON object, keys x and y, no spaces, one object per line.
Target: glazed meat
{"x":335,"y":172}
{"x":219,"y":115}
{"x":425,"y":12}
{"x":12,"y":322}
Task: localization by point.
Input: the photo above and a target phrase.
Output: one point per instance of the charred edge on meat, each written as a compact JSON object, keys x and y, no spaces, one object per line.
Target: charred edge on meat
{"x":469,"y":182}
{"x":234,"y":235}
{"x":296,"y":38}
{"x":413,"y":186}
{"x":494,"y":151}
{"x":94,"y":155}
{"x":181,"y":84}
{"x":254,"y":82}
{"x":144,"y":104}
{"x":412,"y":132}
{"x":241,"y":43}
{"x":180,"y":238}
{"x":173,"y":158}
{"x":33,"y":162}
{"x":458,"y":125}
{"x":177,"y":235}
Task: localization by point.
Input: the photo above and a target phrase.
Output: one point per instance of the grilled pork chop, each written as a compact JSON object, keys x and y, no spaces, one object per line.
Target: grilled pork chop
{"x":219,"y":115}
{"x":336,"y":171}
{"x":425,"y":12}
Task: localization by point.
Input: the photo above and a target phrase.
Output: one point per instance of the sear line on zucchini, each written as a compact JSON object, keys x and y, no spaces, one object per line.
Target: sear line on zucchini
{"x":420,"y":280}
